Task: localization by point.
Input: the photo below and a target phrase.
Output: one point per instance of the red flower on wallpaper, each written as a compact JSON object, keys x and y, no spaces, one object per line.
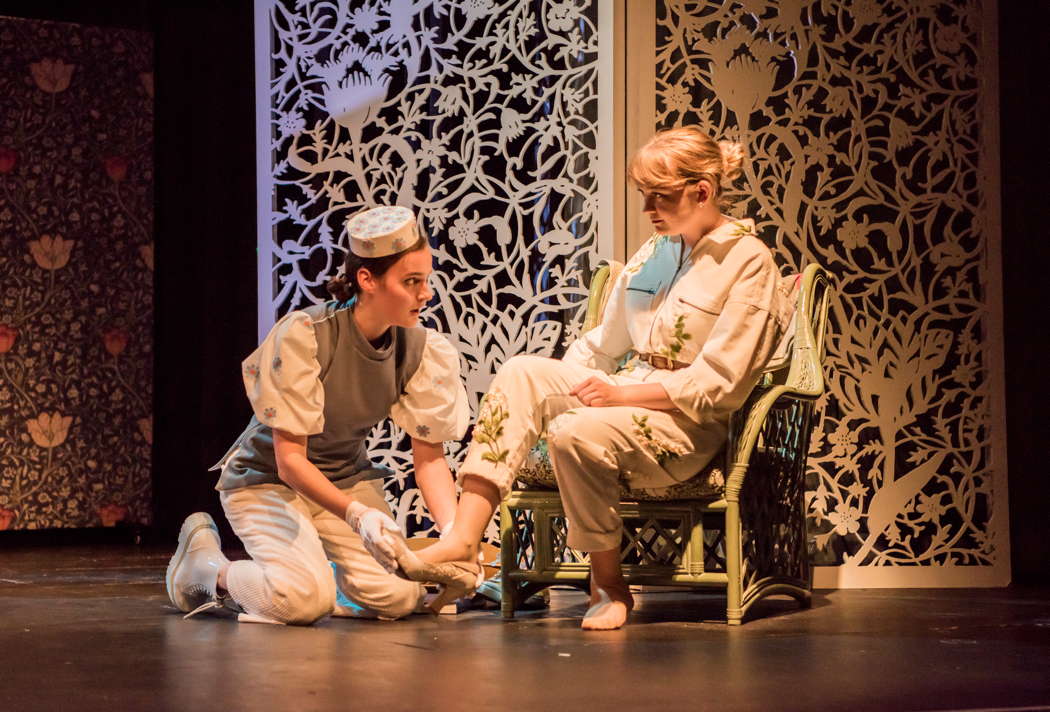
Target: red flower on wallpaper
{"x":64,"y":88}
{"x":111,"y":514}
{"x":115,"y":341}
{"x":147,"y":82}
{"x":146,"y":428}
{"x":116,"y":167}
{"x":146,"y":253}
{"x":51,"y":252}
{"x":8,"y":334}
{"x":52,"y":75}
{"x":8,"y":159}
{"x":49,"y":429}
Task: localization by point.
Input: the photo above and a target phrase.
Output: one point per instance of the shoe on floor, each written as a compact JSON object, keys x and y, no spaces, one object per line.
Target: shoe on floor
{"x":194,"y":569}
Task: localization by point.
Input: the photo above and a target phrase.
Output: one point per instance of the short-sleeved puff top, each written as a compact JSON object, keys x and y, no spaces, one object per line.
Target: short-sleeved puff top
{"x":316,"y":375}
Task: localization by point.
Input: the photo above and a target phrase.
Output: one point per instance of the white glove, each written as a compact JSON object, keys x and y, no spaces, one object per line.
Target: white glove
{"x":371,"y":525}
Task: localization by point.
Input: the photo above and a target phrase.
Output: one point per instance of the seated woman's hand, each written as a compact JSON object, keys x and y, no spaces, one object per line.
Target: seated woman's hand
{"x":596,"y":393}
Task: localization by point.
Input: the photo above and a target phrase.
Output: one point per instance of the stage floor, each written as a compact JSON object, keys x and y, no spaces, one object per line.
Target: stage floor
{"x":92,"y":629}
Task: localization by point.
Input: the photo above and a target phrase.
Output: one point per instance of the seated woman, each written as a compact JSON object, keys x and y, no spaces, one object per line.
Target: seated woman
{"x":648,"y":394}
{"x":297,"y":486}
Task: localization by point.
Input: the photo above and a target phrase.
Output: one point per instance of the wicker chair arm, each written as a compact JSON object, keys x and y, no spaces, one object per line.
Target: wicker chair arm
{"x":600,"y":284}
{"x":804,"y":380}
{"x":745,"y":428}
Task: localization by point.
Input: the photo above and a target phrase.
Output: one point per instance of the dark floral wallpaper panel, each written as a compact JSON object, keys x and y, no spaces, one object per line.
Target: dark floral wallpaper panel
{"x":76,"y":281}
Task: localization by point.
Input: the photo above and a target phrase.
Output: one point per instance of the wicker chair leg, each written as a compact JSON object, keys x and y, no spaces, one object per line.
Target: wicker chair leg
{"x":734,"y":565}
{"x":507,"y":562}
{"x":507,"y":602}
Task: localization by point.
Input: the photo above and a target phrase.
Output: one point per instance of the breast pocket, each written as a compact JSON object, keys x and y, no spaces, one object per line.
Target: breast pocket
{"x":639,"y":299}
{"x":696,"y":316}
{"x":703,"y":303}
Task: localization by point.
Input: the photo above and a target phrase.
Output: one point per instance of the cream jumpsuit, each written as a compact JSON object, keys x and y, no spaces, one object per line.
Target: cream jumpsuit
{"x":710,"y":318}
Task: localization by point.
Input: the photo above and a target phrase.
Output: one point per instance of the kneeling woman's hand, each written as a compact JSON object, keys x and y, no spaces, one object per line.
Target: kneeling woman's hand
{"x":371,"y":525}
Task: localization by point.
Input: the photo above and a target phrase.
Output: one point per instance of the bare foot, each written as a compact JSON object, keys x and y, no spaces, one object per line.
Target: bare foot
{"x":609,"y":609}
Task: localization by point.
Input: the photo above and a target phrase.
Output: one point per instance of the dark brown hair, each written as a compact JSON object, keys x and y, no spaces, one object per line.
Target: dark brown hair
{"x":344,"y":287}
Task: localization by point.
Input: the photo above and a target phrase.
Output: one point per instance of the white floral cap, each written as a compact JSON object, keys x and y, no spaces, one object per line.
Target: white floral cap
{"x":382,"y":231}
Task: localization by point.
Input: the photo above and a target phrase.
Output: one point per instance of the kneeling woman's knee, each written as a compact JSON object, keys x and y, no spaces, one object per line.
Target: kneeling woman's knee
{"x":300,"y":598}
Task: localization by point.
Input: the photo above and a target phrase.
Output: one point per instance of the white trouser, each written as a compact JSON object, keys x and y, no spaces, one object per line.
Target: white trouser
{"x":590,"y":448}
{"x":290,"y":541}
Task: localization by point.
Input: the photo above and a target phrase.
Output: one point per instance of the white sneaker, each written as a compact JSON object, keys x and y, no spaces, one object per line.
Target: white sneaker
{"x":194,"y":569}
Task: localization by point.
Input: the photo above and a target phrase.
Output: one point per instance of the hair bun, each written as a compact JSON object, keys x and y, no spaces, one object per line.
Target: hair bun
{"x":732,"y":160}
{"x":340,"y":288}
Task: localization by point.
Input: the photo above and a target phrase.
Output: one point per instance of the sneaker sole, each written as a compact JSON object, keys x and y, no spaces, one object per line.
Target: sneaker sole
{"x":194,"y":523}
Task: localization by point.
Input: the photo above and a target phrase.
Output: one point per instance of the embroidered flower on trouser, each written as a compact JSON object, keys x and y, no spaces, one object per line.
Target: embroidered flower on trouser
{"x":489,"y":427}
{"x":558,"y":422}
{"x":662,"y":451}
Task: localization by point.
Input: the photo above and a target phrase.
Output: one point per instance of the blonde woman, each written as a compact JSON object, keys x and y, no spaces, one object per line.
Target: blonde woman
{"x":647,"y":395}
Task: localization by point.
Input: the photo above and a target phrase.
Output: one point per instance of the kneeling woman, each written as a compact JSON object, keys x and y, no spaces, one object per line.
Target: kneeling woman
{"x":297,"y":486}
{"x":647,"y":396}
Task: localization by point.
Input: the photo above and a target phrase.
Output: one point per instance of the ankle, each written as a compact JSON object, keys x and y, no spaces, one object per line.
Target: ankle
{"x":617,"y":589}
{"x":470,"y":550}
{"x":459,"y":550}
{"x":450,"y":549}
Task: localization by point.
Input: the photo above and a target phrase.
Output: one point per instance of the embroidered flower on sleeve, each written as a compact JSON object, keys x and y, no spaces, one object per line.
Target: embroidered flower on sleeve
{"x":252,"y":370}
{"x":269,"y":413}
{"x":422,"y":431}
{"x":277,"y":363}
{"x":634,"y":265}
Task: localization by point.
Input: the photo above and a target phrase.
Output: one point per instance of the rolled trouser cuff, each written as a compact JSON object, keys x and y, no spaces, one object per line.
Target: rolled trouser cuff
{"x":589,"y":541}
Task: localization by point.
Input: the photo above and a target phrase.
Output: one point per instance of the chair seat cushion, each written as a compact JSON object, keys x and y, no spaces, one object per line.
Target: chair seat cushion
{"x":538,"y":473}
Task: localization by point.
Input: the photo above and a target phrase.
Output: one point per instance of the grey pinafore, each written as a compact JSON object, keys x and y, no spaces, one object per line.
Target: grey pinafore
{"x":360,"y":382}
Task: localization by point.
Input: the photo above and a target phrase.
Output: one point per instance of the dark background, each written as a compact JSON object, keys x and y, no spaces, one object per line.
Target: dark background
{"x":205,"y":299}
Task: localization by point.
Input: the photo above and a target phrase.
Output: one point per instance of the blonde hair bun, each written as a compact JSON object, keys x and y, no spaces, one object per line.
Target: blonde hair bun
{"x":674,"y":158}
{"x":732,"y":159}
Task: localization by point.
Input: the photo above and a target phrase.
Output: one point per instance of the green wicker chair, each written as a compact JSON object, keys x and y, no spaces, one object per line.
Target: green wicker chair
{"x":738,"y":526}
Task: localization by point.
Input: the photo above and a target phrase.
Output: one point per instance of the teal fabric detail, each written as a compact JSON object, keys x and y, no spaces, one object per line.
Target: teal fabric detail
{"x":657,"y":272}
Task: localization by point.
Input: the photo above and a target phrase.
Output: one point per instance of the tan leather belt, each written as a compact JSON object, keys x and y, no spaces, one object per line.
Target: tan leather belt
{"x":662,"y":362}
